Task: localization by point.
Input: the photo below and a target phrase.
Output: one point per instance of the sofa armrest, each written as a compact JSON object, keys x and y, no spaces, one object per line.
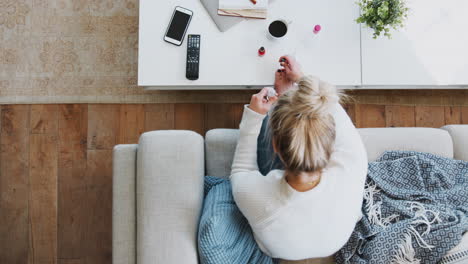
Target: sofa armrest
{"x":123,"y":204}
{"x":459,"y":134}
{"x":170,"y":174}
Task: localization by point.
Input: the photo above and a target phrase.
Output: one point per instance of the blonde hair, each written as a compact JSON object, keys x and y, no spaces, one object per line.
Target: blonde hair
{"x":301,"y":126}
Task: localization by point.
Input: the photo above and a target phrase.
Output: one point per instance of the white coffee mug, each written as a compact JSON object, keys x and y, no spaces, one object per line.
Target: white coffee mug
{"x":277,"y":29}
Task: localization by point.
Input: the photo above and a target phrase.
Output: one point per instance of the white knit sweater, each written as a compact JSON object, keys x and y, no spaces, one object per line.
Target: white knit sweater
{"x":294,"y":225}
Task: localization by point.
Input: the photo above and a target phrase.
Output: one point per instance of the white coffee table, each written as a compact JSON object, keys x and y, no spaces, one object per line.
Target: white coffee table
{"x":229,"y":60}
{"x":431,"y":50}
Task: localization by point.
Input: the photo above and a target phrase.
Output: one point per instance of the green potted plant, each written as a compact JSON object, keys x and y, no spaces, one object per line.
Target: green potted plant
{"x":382,"y":15}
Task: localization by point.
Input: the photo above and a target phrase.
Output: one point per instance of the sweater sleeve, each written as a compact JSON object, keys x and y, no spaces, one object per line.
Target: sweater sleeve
{"x":245,"y":157}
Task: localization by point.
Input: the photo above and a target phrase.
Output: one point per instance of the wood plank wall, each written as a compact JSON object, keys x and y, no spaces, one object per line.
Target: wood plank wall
{"x":56,"y":166}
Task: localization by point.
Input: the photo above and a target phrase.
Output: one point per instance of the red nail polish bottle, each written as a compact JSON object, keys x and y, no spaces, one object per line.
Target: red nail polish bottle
{"x":261,"y":51}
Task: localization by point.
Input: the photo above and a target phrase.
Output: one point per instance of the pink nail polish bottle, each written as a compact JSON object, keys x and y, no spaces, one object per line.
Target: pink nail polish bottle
{"x":317,"y":29}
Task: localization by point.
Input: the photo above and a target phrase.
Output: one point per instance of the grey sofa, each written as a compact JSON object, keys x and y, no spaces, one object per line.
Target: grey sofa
{"x":158,"y":185}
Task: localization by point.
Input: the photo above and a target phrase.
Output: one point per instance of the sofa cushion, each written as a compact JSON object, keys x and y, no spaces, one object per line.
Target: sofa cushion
{"x":459,"y":135}
{"x":169,"y":196}
{"x":220,"y":145}
{"x":431,"y":140}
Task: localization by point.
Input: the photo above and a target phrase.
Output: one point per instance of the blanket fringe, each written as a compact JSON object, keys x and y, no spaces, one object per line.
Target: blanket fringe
{"x":373,"y":207}
{"x":405,"y":253}
{"x":421,"y":242}
{"x":421,"y":216}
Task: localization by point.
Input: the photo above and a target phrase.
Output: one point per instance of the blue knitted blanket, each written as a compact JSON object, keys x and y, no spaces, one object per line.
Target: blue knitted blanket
{"x":415,"y":210}
{"x":224,"y":234}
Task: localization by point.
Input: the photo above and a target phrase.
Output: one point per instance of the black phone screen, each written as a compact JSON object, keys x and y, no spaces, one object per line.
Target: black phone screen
{"x":178,"y":24}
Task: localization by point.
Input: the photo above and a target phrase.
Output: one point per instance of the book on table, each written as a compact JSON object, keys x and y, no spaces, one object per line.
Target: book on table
{"x":243,"y":8}
{"x":222,"y":22}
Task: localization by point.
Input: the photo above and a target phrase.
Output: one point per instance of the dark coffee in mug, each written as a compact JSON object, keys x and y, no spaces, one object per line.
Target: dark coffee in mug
{"x":278,"y":29}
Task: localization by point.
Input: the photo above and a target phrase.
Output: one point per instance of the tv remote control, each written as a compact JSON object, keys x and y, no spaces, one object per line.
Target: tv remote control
{"x":193,"y":57}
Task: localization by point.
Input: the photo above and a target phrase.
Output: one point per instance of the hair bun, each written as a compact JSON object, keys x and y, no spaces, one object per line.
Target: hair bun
{"x":314,"y":97}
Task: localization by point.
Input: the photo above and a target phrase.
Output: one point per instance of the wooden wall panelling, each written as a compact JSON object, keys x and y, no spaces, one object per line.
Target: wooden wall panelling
{"x":99,"y":207}
{"x":464,"y":114}
{"x":368,"y":115}
{"x":411,"y":97}
{"x":159,"y":116}
{"x":132,"y":123}
{"x":72,"y":183}
{"x":14,"y":184}
{"x":400,"y":116}
{"x":452,"y":115}
{"x":236,"y":112}
{"x":44,"y":119}
{"x":223,"y":115}
{"x":103,"y":124}
{"x":190,"y":117}
{"x":70,"y":261}
{"x":103,"y":130}
{"x":43,"y":197}
{"x":217,"y":116}
{"x":430,"y":116}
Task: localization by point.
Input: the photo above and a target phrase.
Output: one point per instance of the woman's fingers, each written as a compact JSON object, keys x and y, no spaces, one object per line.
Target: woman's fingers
{"x":287,"y":60}
{"x":284,"y":58}
{"x":287,"y":70}
{"x":285,"y":64}
{"x":261,"y":102}
{"x":272,"y":100}
{"x":278,"y":73}
{"x":263,"y":92}
{"x":291,"y":68}
{"x":259,"y":96}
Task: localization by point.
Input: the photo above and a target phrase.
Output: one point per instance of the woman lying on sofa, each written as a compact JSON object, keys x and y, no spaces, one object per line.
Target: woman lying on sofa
{"x":309,"y":208}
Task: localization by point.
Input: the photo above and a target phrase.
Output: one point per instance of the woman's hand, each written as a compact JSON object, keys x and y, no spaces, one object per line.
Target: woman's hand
{"x":260,"y":103}
{"x":282,"y":82}
{"x":292,"y":69}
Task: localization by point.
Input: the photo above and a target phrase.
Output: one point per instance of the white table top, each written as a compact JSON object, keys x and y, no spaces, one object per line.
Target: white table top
{"x":229,"y":59}
{"x":432,"y":48}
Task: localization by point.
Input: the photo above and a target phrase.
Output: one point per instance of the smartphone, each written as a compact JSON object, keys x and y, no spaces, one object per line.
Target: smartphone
{"x":180,"y":21}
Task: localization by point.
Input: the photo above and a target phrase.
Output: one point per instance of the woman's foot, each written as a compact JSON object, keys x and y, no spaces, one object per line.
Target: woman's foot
{"x":282,"y":83}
